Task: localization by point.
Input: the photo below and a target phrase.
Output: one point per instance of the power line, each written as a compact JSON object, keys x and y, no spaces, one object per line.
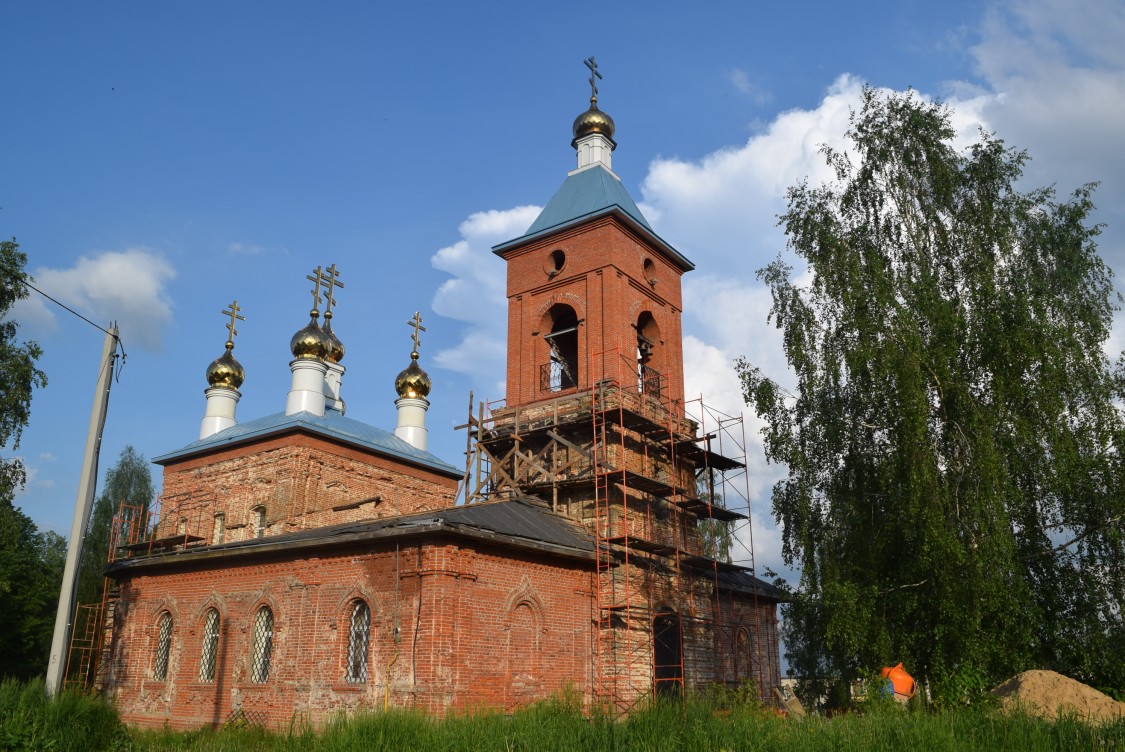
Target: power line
{"x":23,"y":280}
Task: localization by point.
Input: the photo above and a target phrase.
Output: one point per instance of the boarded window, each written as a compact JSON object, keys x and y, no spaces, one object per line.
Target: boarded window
{"x":524,"y":668}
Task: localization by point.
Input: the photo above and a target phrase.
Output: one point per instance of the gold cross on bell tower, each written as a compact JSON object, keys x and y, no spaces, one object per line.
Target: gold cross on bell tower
{"x":416,"y":324}
{"x":232,"y":311}
{"x":592,"y":64}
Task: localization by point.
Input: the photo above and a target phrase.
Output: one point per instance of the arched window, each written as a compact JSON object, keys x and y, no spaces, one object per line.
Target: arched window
{"x":359,"y":639}
{"x":163,"y":647}
{"x":742,"y":654}
{"x":218,"y":529}
{"x":210,"y":646}
{"x":667,"y":655}
{"x":258,"y":515}
{"x":649,"y":380}
{"x":262,"y":650}
{"x":561,"y":371}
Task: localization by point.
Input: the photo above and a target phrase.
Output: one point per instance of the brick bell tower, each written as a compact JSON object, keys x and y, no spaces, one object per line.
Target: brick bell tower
{"x":593,"y":292}
{"x":595,"y":426}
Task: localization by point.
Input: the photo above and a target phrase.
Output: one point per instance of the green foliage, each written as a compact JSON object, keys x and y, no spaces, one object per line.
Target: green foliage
{"x":965,"y":685}
{"x":743,"y":697}
{"x":955,"y":457}
{"x":31,"y":566}
{"x":30,"y":562}
{"x":1113,"y":692}
{"x":31,"y":721}
{"x":662,"y":726}
{"x":18,"y":374}
{"x":128,"y":483}
{"x":717,"y":535}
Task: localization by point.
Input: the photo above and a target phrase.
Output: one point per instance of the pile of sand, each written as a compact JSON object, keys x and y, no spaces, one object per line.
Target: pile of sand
{"x":1048,"y":695}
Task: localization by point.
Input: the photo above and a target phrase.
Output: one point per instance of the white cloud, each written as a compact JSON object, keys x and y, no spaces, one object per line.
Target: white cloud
{"x":31,"y":474}
{"x":32,"y":478}
{"x":33,"y":314}
{"x":1054,"y":76}
{"x":476,"y":293}
{"x":1053,"y":82}
{"x":741,"y":81}
{"x":724,"y":207}
{"x":123,"y":286}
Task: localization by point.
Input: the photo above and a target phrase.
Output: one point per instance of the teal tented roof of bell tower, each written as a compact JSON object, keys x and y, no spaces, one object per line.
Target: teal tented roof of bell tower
{"x":586,"y":192}
{"x":585,"y":195}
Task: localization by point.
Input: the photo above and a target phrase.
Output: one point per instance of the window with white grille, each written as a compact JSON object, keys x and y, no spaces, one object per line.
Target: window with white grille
{"x":163,"y":647}
{"x":263,"y":645}
{"x":359,"y":638}
{"x":219,"y":529}
{"x":210,"y":646}
{"x":259,"y":521}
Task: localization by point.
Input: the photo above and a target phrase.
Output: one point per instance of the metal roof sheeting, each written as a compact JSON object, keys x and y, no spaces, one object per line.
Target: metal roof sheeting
{"x":587,"y":195}
{"x":586,"y":192}
{"x":332,"y":426}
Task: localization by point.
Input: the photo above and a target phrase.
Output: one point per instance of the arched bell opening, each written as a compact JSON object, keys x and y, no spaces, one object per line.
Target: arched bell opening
{"x":560,"y":372}
{"x":649,"y":378}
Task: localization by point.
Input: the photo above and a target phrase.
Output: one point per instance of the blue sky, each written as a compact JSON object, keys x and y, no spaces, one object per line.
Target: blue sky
{"x":159,"y":160}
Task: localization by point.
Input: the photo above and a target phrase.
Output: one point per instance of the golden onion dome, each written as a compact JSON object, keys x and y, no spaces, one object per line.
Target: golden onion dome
{"x":335,"y":346}
{"x":225,"y":371}
{"x":310,"y":343}
{"x":593,"y":120}
{"x":413,"y":381}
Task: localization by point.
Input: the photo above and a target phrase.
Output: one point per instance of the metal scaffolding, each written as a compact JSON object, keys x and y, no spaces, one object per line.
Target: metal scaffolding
{"x":172,"y":523}
{"x":658,"y":483}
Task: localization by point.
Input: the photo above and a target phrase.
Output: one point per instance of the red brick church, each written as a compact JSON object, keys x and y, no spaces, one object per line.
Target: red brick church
{"x":307,"y":564}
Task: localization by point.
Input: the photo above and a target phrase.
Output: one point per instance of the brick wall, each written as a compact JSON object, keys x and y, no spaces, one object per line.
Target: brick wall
{"x":300,"y":481}
{"x":452,"y":627}
{"x":605,"y":282}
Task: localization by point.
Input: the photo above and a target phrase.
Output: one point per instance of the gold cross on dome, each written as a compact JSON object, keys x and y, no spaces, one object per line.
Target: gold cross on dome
{"x":416,"y":324}
{"x":316,"y":278}
{"x":331,"y":279}
{"x":592,"y":64}
{"x":232,"y":311}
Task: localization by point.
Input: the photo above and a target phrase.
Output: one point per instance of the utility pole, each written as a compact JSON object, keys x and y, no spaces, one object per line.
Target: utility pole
{"x":60,"y":642}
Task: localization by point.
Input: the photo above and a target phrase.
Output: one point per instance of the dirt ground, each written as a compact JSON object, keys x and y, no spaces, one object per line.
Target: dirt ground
{"x":1048,"y":695}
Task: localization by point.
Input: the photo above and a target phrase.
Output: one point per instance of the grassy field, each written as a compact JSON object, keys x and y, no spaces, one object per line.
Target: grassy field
{"x":30,"y":722}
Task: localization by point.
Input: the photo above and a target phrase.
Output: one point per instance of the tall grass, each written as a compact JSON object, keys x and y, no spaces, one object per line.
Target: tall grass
{"x":30,"y":721}
{"x":551,"y":726}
